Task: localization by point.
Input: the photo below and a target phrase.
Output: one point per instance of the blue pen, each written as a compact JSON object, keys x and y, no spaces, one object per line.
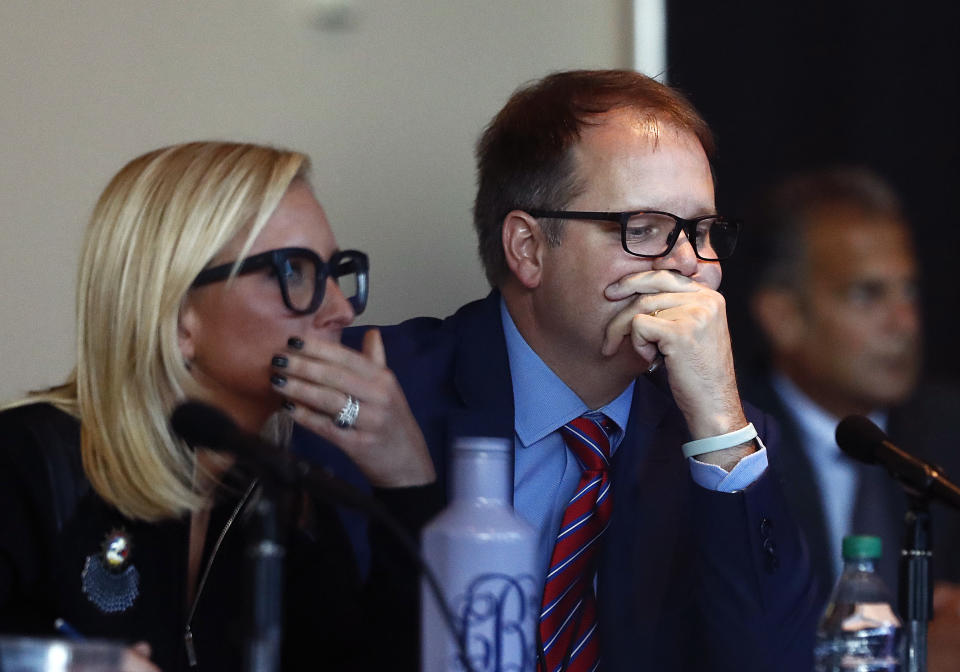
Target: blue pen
{"x":67,"y":630}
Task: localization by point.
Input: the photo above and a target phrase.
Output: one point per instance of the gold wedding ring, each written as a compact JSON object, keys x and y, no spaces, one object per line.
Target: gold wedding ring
{"x":656,"y":312}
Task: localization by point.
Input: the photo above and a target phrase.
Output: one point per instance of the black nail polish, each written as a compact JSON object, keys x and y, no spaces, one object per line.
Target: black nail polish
{"x":295,"y":342}
{"x":279,"y":361}
{"x":287,"y":405}
{"x":278,"y":380}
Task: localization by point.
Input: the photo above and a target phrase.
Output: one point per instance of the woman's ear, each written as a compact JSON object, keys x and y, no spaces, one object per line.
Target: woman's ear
{"x":187,"y":329}
{"x":523,"y":244}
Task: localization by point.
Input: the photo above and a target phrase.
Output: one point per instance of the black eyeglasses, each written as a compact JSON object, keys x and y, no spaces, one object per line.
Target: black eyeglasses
{"x":302,"y":275}
{"x":652,"y":233}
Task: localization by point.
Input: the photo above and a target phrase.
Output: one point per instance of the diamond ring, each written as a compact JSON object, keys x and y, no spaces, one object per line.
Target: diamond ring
{"x":347,"y":417}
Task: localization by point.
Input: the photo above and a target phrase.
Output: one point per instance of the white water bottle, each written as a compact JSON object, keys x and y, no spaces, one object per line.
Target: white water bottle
{"x":482,"y":553}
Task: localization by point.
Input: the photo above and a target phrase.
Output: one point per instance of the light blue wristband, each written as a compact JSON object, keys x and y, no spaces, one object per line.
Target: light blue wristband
{"x":714,"y":443}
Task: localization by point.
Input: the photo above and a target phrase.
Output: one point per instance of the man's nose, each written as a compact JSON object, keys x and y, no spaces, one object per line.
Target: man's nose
{"x":681,"y":257}
{"x":904,"y":313}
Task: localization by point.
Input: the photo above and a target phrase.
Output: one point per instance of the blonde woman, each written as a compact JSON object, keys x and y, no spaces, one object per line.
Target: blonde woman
{"x":209,"y":272}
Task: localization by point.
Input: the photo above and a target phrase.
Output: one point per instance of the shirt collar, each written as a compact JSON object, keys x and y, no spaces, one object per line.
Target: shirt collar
{"x":534,"y":381}
{"x":818,"y":426}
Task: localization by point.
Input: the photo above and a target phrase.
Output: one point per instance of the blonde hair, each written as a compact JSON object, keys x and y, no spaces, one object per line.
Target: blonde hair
{"x":158,"y":223}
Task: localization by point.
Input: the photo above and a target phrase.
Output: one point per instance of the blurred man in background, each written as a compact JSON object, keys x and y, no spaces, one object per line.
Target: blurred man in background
{"x":836,"y":299}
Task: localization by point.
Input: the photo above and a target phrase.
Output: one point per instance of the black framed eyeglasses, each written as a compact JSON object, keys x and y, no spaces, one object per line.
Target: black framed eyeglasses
{"x":303,"y":275}
{"x":653,"y":233}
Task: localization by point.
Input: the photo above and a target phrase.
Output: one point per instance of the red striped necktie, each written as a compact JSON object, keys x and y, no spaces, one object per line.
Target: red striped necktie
{"x":568,"y":619}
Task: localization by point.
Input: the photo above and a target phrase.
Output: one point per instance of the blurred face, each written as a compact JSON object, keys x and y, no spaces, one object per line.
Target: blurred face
{"x":622,"y":168}
{"x":229,"y":331}
{"x":859,"y":343}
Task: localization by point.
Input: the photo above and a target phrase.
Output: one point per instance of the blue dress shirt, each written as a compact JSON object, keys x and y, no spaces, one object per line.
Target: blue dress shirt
{"x":836,"y":474}
{"x":546,"y":473}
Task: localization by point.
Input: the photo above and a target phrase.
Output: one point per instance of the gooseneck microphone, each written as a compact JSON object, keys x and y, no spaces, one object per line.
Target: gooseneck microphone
{"x":202,"y":425}
{"x":862,"y":440}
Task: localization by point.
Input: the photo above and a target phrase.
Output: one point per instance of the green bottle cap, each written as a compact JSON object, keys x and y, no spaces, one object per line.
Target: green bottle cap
{"x":861,"y":547}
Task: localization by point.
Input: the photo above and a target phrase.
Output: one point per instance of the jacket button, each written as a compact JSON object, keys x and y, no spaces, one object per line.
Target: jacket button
{"x":771,"y":560}
{"x":766,"y":527}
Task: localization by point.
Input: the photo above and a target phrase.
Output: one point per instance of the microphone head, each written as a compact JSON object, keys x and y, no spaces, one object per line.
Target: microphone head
{"x":200,"y":424}
{"x":858,"y":437}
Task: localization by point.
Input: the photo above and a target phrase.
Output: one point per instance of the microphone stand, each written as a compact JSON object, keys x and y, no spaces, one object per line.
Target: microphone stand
{"x":267,"y":556}
{"x":263,"y":567}
{"x":916,"y":580}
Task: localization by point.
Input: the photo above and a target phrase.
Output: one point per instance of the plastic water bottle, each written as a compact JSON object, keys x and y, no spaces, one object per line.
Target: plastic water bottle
{"x":860,"y":629}
{"x":482,"y":553}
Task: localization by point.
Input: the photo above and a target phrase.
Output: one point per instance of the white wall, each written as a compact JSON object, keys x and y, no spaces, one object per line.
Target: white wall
{"x":388,"y":105}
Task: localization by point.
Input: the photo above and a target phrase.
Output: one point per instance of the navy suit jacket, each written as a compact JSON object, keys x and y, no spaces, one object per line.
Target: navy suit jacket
{"x":689,"y":579}
{"x":924,"y":425}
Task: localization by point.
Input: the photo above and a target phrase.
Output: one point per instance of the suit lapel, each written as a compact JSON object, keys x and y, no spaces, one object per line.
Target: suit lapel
{"x":650,"y":488}
{"x":800,"y":487}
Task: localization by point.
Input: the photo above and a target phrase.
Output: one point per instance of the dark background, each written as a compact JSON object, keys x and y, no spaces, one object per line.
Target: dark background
{"x":789,"y":86}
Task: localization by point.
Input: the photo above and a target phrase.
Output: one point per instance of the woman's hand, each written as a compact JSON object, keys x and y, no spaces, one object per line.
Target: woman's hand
{"x":318,"y":379}
{"x":137,"y":659}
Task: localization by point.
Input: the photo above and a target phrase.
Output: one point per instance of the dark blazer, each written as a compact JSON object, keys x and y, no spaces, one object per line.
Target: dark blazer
{"x":925,"y":425}
{"x":52,"y":522}
{"x":688,"y":578}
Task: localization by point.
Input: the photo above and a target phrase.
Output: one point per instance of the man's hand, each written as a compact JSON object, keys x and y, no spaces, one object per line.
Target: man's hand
{"x":386,"y":441}
{"x":686,"y":322}
{"x":943,"y":637}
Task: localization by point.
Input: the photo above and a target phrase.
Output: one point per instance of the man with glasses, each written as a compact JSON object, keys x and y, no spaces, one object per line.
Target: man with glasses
{"x":603,"y":354}
{"x":835,"y":296}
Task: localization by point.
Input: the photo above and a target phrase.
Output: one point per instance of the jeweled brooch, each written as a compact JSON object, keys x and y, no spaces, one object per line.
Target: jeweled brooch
{"x":109,"y":580}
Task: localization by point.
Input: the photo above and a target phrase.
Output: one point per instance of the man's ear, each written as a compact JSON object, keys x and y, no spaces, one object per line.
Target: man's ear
{"x":523,"y":244}
{"x":781,"y":318}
